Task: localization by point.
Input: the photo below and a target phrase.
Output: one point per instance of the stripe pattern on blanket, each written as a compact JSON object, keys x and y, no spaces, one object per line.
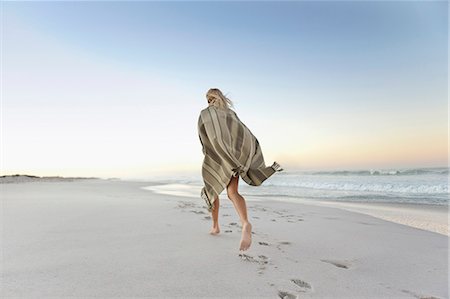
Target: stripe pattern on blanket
{"x":230,"y":150}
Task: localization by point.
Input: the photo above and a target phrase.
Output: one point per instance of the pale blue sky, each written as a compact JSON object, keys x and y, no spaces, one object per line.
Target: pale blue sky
{"x":115,"y":88}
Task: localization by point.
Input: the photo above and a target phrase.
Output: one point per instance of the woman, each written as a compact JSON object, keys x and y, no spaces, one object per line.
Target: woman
{"x":231,"y":150}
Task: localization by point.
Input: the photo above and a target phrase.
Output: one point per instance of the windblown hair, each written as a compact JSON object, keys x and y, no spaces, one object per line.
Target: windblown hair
{"x":216,"y":98}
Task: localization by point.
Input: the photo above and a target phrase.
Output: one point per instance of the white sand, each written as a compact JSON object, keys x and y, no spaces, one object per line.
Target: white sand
{"x":105,"y":239}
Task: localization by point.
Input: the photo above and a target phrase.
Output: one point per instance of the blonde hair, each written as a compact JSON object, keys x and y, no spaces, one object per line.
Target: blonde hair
{"x":216,"y":98}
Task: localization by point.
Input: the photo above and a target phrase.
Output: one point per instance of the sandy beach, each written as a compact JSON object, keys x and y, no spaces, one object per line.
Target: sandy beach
{"x":96,"y":238}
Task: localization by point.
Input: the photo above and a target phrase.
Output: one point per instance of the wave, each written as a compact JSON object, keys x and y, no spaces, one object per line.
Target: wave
{"x":366,"y":187}
{"x":381,"y":172}
{"x":358,"y":198}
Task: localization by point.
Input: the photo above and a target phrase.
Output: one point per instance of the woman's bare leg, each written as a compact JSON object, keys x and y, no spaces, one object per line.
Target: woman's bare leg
{"x":241,"y":208}
{"x":215,"y":217}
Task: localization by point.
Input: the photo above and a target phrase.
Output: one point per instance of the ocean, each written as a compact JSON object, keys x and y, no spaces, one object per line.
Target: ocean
{"x":418,"y":185}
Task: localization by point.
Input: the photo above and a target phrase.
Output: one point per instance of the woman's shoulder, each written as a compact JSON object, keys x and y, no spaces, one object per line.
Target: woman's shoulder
{"x":205,"y":110}
{"x":204,"y":113}
{"x":209,"y":108}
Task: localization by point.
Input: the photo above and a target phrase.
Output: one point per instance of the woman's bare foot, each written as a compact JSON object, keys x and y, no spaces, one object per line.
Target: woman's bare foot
{"x":214,"y":230}
{"x":246,"y":239}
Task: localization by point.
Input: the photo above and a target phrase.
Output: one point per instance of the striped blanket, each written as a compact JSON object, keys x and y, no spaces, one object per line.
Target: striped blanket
{"x":230,"y":150}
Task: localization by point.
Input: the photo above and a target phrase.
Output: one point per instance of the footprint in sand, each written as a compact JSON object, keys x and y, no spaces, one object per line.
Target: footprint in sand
{"x":247,"y":257}
{"x":339,"y":264}
{"x":291,"y":218}
{"x":186,"y":204}
{"x":232,"y":223}
{"x":197,"y":212}
{"x":228,"y":231}
{"x":366,"y":223}
{"x":418,"y":295}
{"x":207,"y":217}
{"x":285,"y":243}
{"x":302,"y":284}
{"x":286,"y":295}
{"x":262,"y":260}
{"x":263,"y":243}
{"x":225,"y":215}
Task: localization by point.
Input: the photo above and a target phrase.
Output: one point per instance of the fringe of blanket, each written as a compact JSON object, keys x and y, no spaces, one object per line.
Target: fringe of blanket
{"x":237,"y":171}
{"x":276,"y":166}
{"x":206,"y":199}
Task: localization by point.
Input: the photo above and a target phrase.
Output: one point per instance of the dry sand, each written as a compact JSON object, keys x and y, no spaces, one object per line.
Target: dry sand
{"x":112,"y":239}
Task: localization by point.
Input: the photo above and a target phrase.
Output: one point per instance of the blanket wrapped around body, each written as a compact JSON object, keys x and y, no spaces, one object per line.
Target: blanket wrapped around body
{"x":230,"y":150}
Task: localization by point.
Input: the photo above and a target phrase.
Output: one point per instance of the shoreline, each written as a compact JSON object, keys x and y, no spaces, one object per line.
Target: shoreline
{"x":429,"y":217}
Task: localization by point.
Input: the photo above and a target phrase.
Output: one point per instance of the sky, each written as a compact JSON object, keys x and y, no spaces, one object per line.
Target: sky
{"x":114,"y":89}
